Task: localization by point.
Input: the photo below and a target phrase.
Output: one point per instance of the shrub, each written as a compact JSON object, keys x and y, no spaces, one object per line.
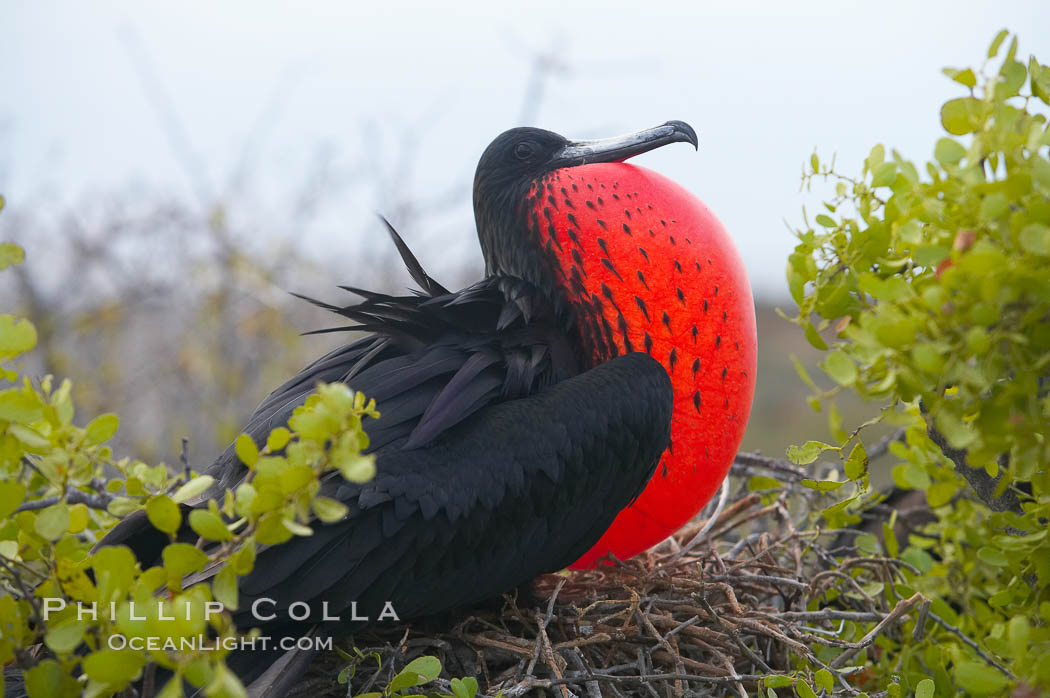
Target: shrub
{"x":929,"y":287}
{"x":62,"y":488}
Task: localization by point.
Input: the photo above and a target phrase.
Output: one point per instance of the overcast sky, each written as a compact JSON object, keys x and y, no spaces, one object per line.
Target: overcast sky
{"x":763,"y":83}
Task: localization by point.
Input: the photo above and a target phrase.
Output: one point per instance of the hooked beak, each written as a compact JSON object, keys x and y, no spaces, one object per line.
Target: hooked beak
{"x":620,"y":148}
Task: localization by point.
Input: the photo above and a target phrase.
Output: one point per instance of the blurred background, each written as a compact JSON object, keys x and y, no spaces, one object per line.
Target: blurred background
{"x":174,"y":169}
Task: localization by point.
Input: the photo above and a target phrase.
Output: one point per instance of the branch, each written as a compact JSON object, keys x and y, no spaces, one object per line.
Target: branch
{"x":971,"y":644}
{"x":100,"y":500}
{"x":983,"y":484}
{"x":899,"y":610}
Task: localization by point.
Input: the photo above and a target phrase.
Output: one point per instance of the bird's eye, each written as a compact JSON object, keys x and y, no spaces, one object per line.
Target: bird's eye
{"x":523,"y":151}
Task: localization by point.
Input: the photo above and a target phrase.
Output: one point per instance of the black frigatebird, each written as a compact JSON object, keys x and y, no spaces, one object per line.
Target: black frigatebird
{"x":515,"y":426}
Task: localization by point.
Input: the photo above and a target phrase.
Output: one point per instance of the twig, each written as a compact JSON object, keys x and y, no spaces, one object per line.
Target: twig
{"x":902,"y":607}
{"x":774,"y":464}
{"x":100,"y":500}
{"x":699,"y":537}
{"x":883,"y":445}
{"x":758,"y":661}
{"x":972,"y":645}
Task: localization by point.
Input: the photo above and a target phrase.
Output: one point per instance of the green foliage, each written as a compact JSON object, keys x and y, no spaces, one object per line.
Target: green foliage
{"x":929,"y":286}
{"x":61,"y":489}
{"x":407,"y":682}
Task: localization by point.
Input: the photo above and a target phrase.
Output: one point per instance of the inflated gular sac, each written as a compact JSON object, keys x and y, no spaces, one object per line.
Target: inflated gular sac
{"x":657,"y":272}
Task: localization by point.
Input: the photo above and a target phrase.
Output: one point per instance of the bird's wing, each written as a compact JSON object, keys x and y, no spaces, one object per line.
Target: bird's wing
{"x":429,"y":362}
{"x":521,"y":487}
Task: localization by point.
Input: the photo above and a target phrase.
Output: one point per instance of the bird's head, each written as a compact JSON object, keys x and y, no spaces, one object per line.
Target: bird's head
{"x":511,"y":174}
{"x":638,"y":263}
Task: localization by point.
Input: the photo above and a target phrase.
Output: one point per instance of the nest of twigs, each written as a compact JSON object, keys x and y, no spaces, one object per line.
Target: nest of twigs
{"x":711,"y":611}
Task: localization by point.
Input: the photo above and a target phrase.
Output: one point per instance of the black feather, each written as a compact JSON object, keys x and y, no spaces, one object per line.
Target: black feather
{"x":419,"y":275}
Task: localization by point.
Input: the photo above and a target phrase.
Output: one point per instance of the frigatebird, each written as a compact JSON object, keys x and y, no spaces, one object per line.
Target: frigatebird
{"x":516,"y":423}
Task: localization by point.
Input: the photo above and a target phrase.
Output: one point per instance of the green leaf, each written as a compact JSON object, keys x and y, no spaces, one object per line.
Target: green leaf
{"x":925,"y":688}
{"x":940,"y":493}
{"x":164,"y":513}
{"x":296,"y":477}
{"x":918,"y":558}
{"x":356,"y":467}
{"x":909,"y":476}
{"x":1012,"y":77}
{"x":243,"y":560}
{"x":225,"y":684}
{"x":1040,"y":80}
{"x":958,"y":433}
{"x":997,"y":42}
{"x":467,"y":687}
{"x":296,"y":528}
{"x":992,"y":556}
{"x":193,"y":488}
{"x":778,"y":680}
{"x":948,"y":151}
{"x":65,"y":637}
{"x":826,"y":221}
{"x":840,"y":368}
{"x":20,"y":406}
{"x":802,"y":373}
{"x":1035,"y":237}
{"x":930,"y":255}
{"x":889,"y":537}
{"x":807,"y":452}
{"x":101,"y":429}
{"x":181,"y":559}
{"x":208,"y":525}
{"x":822,"y":485}
{"x":428,"y":667}
{"x":246,"y":450}
{"x":993,"y":206}
{"x":876,"y":156}
{"x":78,"y":518}
{"x":53,"y":521}
{"x":113,"y":666}
{"x":17,"y":335}
{"x":224,"y":587}
{"x":867,"y":543}
{"x":114,"y":571}
{"x":961,"y":116}
{"x":963,"y":77}
{"x":172,"y":689}
{"x":329,"y":510}
{"x":980,"y":678}
{"x":1018,"y":632}
{"x":12,"y":494}
{"x":10,"y":253}
{"x":121,"y":506}
{"x":761,"y":482}
{"x":803,"y":690}
{"x":856,"y":466}
{"x":278,"y":439}
{"x":884,"y":175}
{"x":30,"y":438}
{"x":271,"y":529}
{"x":814,"y":338}
{"x":825,"y":679}
{"x":48,"y":679}
{"x":405,"y":679}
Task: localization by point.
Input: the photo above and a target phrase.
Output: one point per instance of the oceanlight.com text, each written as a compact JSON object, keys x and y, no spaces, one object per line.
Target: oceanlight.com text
{"x":203,"y":643}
